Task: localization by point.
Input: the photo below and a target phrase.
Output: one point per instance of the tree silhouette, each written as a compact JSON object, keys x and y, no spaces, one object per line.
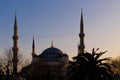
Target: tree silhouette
{"x":116,"y":68}
{"x":2,"y":74}
{"x":116,"y":65}
{"x":8,"y":60}
{"x":89,"y":66}
{"x":6,"y":64}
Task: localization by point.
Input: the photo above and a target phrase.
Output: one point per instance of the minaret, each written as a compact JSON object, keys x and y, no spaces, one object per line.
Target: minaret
{"x":81,"y":46}
{"x":15,"y":47}
{"x":33,"y":48}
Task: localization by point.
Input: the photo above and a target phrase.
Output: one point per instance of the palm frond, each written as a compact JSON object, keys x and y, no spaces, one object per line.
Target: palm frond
{"x":104,"y":59}
{"x":106,"y":65}
{"x":98,"y":55}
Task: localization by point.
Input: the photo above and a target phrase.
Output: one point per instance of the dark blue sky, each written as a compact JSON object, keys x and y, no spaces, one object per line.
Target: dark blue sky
{"x":58,"y":20}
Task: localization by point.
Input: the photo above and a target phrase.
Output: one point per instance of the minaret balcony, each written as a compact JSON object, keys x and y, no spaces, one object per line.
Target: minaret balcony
{"x":81,"y":35}
{"x":15,"y":37}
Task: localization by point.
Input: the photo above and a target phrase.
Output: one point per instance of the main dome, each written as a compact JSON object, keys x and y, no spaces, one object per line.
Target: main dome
{"x":52,"y":50}
{"x":51,"y":53}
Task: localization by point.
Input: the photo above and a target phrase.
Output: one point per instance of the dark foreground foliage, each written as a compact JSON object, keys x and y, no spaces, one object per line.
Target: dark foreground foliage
{"x":89,"y":66}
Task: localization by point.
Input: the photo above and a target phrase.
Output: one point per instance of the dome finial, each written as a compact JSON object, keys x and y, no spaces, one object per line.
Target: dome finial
{"x":52,"y":44}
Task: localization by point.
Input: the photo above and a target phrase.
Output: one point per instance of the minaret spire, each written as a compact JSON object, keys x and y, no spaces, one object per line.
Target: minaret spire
{"x":15,"y":47}
{"x":81,"y":46}
{"x":33,"y":48}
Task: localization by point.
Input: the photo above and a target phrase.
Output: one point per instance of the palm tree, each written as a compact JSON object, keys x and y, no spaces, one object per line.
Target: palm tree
{"x":89,"y":66}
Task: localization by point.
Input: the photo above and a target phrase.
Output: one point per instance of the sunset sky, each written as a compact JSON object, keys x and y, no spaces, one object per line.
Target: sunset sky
{"x":59,"y":20}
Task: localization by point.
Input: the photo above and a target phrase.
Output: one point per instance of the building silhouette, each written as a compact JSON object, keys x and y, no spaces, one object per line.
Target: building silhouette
{"x":51,"y":64}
